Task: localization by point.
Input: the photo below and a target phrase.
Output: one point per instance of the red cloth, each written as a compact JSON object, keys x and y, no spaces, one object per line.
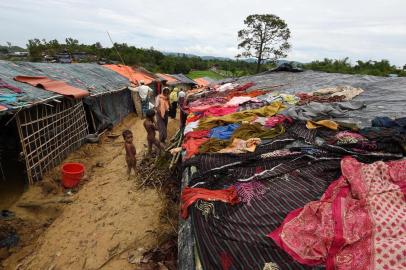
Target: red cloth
{"x":254,"y":93}
{"x":196,"y":135}
{"x":359,"y":222}
{"x":194,"y":118}
{"x":192,"y":146}
{"x":59,"y":87}
{"x":191,"y":195}
{"x":220,"y":111}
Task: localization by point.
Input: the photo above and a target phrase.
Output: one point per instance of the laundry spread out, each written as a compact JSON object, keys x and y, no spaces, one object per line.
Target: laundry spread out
{"x":265,"y":185}
{"x":55,"y":86}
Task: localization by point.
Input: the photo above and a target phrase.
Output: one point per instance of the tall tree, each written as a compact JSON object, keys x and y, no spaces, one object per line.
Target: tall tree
{"x":265,"y":37}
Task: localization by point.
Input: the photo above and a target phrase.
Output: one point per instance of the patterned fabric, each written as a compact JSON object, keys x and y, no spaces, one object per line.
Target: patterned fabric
{"x":241,"y":229}
{"x":248,"y":191}
{"x":357,"y":224}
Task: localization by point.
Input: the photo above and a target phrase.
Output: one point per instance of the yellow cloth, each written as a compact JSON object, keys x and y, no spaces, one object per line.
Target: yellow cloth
{"x":322,"y":123}
{"x":239,"y":146}
{"x":238,"y":117}
{"x":173,"y":97}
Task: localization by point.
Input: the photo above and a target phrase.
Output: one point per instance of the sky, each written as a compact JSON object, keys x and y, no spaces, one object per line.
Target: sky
{"x":359,"y":29}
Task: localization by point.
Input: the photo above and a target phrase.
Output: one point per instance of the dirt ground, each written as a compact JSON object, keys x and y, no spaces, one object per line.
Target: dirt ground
{"x":104,"y":225}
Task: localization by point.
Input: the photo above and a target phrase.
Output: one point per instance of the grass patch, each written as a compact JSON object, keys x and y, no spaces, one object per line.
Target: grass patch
{"x":204,"y":73}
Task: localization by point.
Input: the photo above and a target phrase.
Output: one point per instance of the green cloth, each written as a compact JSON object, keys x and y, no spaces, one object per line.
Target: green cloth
{"x":213,"y":145}
{"x":247,"y":131}
{"x":238,"y":117}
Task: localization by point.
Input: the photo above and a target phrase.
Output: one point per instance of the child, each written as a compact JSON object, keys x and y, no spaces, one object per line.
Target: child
{"x":150,"y":127}
{"x":129,"y":151}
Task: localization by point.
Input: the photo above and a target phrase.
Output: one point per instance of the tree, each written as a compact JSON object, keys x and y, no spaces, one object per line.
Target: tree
{"x":265,"y":37}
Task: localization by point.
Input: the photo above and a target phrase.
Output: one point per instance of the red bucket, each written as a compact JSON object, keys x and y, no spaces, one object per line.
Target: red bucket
{"x":71,"y":174}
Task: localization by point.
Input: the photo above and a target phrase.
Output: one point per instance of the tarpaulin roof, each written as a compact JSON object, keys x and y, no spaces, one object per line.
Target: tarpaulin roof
{"x":383,"y":96}
{"x":168,"y":78}
{"x":131,"y":74}
{"x":183,"y":79}
{"x":91,"y":77}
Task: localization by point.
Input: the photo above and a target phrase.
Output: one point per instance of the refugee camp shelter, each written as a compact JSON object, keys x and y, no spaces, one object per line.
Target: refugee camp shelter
{"x":178,"y":80}
{"x":48,"y":125}
{"x":210,"y":236}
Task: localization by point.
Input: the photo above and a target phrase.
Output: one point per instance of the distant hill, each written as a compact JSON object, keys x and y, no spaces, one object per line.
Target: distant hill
{"x":12,"y":49}
{"x":194,"y":55}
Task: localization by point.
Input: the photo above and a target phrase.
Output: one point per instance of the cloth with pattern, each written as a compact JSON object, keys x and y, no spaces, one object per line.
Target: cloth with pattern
{"x":359,"y":223}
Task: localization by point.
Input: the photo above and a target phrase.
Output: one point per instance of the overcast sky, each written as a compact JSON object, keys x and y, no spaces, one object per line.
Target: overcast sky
{"x":359,"y":29}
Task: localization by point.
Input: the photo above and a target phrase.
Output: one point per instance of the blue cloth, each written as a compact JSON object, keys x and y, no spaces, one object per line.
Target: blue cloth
{"x":223,"y":132}
{"x":8,"y":98}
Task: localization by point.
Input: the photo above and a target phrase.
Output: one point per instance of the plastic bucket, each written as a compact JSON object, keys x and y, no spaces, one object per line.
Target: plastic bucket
{"x":71,"y":174}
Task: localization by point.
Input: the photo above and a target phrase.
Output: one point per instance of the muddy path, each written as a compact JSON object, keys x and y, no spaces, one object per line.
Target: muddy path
{"x":102,"y":225}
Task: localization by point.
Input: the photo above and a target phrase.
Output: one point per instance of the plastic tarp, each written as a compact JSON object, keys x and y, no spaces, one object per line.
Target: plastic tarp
{"x":168,"y":78}
{"x":131,"y":74}
{"x":383,"y":96}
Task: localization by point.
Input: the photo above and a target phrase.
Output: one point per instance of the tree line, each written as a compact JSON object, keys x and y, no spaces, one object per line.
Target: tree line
{"x":376,"y":68}
{"x":150,"y":58}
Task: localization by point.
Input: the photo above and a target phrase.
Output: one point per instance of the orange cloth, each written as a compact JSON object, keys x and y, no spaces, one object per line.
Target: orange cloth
{"x":163,"y":105}
{"x":191,"y":195}
{"x":322,"y":123}
{"x":131,"y":74}
{"x":55,"y":86}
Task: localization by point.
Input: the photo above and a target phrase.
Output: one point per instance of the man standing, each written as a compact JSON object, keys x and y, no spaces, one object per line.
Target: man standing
{"x":136,"y":98}
{"x":144,"y":93}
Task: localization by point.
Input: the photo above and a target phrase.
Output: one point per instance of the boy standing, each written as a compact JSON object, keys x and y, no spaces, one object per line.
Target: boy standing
{"x":150,"y":127}
{"x":130,"y":152}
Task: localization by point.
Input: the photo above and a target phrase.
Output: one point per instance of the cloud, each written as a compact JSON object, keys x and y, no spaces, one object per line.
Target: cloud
{"x":358,"y":29}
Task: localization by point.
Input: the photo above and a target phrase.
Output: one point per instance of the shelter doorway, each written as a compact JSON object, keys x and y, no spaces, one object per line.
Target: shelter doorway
{"x":13,"y":176}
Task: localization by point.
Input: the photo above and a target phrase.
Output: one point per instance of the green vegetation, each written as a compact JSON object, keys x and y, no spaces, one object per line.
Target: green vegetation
{"x":205,"y":73}
{"x":151,"y":59}
{"x":377,"y":68}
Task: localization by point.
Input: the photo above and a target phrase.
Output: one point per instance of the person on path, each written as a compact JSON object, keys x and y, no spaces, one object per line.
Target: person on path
{"x":173,"y":99}
{"x":151,"y":128}
{"x":136,"y":99}
{"x":145,"y":93}
{"x":182,"y":111}
{"x":130,"y":152}
{"x":162,"y":112}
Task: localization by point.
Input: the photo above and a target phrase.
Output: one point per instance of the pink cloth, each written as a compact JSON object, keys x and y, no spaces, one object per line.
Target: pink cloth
{"x":235,"y":101}
{"x":276,"y":120}
{"x":359,"y":223}
{"x":220,"y":111}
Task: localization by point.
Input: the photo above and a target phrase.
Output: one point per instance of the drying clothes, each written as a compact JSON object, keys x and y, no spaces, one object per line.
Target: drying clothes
{"x":276,"y":120}
{"x":319,"y":111}
{"x":3,"y":108}
{"x":191,"y":195}
{"x":242,"y":228}
{"x":226,"y":87}
{"x":208,"y":101}
{"x":223,"y":132}
{"x":8,"y":98}
{"x":387,"y":122}
{"x":307,"y":98}
{"x":220,"y":111}
{"x":270,"y":110}
{"x":191,"y":126}
{"x":59,"y":87}
{"x":16,"y":90}
{"x":347,"y":137}
{"x":357,"y":224}
{"x":239,"y":146}
{"x":246,"y":131}
{"x":322,"y":123}
{"x":213,"y":145}
{"x":250,"y":191}
{"x":196,"y":135}
{"x":235,"y":101}
{"x":193,"y":117}
{"x":252,"y":106}
{"x":192,"y":146}
{"x":290,"y":99}
{"x":385,"y":135}
{"x":348,"y":92}
{"x":254,"y":93}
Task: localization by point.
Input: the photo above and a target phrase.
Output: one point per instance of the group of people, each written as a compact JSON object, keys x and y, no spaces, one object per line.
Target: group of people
{"x":156,"y":117}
